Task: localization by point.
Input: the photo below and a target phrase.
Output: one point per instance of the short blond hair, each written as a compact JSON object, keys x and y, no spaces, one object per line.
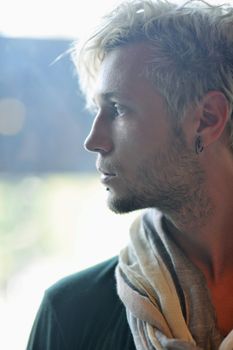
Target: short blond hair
{"x":192,"y":43}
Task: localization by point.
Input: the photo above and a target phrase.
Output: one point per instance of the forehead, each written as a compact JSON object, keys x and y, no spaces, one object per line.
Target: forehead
{"x":122,"y":69}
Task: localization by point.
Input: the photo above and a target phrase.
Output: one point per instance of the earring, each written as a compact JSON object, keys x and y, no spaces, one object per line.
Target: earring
{"x":199,"y":147}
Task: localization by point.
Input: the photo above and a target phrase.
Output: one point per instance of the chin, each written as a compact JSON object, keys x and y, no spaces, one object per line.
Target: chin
{"x":123,"y":205}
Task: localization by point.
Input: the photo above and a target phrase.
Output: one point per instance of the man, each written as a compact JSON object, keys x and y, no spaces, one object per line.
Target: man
{"x":161,"y":78}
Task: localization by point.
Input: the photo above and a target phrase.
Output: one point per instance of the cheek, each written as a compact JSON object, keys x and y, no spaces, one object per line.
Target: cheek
{"x":136,"y":135}
{"x":133,"y":149}
{"x":138,"y":140}
{"x":129,"y":146}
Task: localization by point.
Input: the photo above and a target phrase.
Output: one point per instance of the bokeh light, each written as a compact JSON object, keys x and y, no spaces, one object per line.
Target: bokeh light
{"x":12,"y":116}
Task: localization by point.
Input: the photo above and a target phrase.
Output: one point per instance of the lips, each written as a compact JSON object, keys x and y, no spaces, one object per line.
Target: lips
{"x":105,"y":172}
{"x":106,"y":176}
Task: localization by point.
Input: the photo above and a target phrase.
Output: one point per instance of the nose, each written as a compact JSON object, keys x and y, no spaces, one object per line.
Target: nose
{"x":99,"y":138}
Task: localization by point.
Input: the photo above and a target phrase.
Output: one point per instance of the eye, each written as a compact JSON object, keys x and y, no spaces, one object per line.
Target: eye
{"x":118,"y":110}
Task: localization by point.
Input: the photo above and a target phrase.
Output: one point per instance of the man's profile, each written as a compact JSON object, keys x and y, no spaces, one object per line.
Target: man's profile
{"x":160,"y":77}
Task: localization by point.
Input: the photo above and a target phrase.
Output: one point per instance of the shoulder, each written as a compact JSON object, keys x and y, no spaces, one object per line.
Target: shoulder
{"x":82,"y":284}
{"x":77,"y":298}
{"x":79,"y":305}
{"x":80,"y":295}
{"x":84,"y":281}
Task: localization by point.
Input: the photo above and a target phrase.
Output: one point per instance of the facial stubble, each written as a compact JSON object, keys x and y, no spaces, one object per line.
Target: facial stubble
{"x":171,"y":181}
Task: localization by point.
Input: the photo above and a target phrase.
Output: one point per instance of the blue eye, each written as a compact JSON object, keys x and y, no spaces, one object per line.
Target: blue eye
{"x":118,"y":109}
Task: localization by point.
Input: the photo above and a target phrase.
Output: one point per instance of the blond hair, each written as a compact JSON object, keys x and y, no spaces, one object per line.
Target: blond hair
{"x":192,"y":44}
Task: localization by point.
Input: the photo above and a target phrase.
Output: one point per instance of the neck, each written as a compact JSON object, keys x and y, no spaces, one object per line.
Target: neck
{"x":205,"y":235}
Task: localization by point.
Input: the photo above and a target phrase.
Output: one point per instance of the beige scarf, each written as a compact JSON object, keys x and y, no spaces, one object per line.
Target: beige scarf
{"x":150,"y":295}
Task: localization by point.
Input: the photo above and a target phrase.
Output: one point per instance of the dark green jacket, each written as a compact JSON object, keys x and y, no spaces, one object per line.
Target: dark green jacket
{"x":82,"y":312}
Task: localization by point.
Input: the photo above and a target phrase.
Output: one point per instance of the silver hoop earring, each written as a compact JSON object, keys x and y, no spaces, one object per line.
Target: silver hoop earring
{"x":199,"y":147}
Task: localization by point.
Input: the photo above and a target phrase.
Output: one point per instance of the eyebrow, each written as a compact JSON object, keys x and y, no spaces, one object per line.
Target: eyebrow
{"x":108,"y":96}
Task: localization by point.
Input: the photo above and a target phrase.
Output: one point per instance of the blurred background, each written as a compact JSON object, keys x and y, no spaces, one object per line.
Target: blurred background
{"x":53,"y":215}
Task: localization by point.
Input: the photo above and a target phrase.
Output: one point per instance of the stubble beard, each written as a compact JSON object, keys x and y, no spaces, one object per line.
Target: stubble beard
{"x":173,"y":182}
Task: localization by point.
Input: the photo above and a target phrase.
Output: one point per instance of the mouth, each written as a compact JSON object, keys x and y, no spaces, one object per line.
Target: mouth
{"x":105,"y":176}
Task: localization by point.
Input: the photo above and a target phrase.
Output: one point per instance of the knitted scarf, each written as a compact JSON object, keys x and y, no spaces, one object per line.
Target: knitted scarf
{"x":166,"y":304}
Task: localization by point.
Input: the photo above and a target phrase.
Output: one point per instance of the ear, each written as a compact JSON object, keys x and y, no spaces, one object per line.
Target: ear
{"x":212,"y":117}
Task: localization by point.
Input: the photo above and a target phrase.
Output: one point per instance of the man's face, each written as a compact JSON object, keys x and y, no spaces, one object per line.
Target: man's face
{"x":143,"y":160}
